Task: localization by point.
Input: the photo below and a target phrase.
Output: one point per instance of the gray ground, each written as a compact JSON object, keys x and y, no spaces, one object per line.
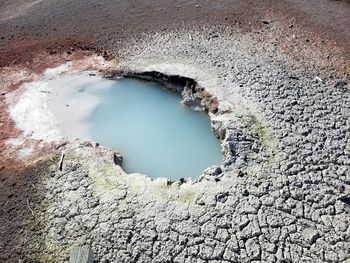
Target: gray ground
{"x":284,"y":193}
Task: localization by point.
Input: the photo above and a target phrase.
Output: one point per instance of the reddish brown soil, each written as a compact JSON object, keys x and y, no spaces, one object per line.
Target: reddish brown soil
{"x":18,"y":177}
{"x":37,"y":65}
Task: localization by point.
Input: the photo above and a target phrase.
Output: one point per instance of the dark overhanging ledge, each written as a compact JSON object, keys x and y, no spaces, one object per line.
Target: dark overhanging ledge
{"x":173,"y":82}
{"x":192,"y":92}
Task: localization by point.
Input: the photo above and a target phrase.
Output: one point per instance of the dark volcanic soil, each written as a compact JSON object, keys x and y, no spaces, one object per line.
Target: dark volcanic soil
{"x":17,"y":198}
{"x":28,"y":26}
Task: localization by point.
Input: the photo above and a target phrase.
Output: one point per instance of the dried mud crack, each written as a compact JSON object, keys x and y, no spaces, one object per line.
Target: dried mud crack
{"x":281,"y":108}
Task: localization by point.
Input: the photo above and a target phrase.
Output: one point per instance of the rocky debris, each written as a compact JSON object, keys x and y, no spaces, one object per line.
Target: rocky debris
{"x":310,"y":235}
{"x":340,"y":84}
{"x":345,"y":199}
{"x":219,"y":129}
{"x":117,"y":158}
{"x":318,"y":80}
{"x":192,"y":102}
{"x":213,"y":171}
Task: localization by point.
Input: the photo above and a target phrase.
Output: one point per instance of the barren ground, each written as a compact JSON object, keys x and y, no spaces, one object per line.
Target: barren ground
{"x":268,"y":52}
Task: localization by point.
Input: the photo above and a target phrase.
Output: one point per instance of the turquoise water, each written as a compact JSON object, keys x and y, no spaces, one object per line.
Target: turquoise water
{"x":155,"y":133}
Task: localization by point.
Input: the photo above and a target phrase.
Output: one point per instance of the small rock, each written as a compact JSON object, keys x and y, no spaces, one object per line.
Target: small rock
{"x":61,"y":145}
{"x":182,"y":181}
{"x":340,"y":84}
{"x":269,"y":247}
{"x":222,"y":197}
{"x":232,"y":244}
{"x":245,"y":192}
{"x":213,"y":171}
{"x":241,"y":173}
{"x":222,"y":235}
{"x":310,"y":235}
{"x":244,"y":221}
{"x":117,"y":158}
{"x":317,"y":80}
{"x":331,"y":256}
{"x":345,"y":199}
{"x":253,"y":249}
{"x":294,"y":77}
{"x":169,"y":182}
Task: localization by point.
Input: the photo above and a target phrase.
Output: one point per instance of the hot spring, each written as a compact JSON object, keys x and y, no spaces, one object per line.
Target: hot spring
{"x":155,"y":133}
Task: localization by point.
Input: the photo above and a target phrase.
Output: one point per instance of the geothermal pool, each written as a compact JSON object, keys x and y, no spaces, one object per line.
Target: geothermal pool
{"x":156,"y":134}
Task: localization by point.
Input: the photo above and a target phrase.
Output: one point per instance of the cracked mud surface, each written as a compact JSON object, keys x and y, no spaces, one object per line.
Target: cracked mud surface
{"x":285,"y":189}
